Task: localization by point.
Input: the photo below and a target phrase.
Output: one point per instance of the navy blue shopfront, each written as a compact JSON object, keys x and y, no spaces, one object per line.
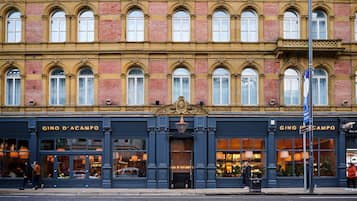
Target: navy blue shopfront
{"x":149,"y":152}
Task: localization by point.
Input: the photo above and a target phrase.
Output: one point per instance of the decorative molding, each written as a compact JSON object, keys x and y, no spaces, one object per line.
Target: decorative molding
{"x":135,"y":61}
{"x":10,"y":61}
{"x":181,"y":107}
{"x":84,"y":60}
{"x":221,"y":60}
{"x":55,"y":61}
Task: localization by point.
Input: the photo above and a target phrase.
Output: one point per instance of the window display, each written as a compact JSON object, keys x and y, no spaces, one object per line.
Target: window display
{"x":232,"y":152}
{"x":13,"y":154}
{"x":129,"y":158}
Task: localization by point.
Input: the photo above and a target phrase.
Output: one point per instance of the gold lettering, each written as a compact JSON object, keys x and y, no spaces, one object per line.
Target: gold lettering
{"x":96,"y":128}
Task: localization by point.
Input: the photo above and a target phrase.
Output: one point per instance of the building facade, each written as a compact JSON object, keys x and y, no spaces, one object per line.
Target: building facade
{"x":174,"y":94}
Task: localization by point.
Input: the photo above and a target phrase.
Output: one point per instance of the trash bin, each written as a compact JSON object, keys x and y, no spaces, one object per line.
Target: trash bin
{"x":255,"y":184}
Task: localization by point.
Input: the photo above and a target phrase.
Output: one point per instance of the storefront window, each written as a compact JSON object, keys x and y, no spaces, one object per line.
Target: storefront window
{"x":95,"y":166}
{"x":47,"y":166}
{"x":63,"y":167}
{"x":65,"y":144}
{"x":129,"y":158}
{"x":290,"y":157}
{"x":79,"y":167}
{"x":13,"y":154}
{"x":232,"y":152}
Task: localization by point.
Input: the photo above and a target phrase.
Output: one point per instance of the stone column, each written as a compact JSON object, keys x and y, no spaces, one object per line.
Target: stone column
{"x":211,"y":153}
{"x":107,"y":150}
{"x":151,"y":168}
{"x":200,"y":152}
{"x":341,"y":157}
{"x":162,"y":150}
{"x":271,"y":154}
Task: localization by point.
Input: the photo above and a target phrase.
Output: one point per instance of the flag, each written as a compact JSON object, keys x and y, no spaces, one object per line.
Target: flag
{"x":306,"y":98}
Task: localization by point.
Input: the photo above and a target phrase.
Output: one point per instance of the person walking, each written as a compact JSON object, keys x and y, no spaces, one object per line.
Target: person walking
{"x":36,"y":175}
{"x":27,"y":174}
{"x":351,"y":176}
{"x":247,"y":171}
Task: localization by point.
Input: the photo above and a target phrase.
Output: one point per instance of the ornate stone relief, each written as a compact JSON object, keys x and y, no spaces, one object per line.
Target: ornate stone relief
{"x":181,"y":107}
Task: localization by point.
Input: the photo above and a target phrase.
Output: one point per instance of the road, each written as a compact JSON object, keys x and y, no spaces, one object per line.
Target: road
{"x":73,"y":197}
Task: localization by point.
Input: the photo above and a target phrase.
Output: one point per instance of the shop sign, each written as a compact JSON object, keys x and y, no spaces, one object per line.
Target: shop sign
{"x":69,"y":127}
{"x":315,"y":128}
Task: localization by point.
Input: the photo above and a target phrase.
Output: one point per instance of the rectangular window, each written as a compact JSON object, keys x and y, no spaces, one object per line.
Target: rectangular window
{"x":129,"y":158}
{"x":290,"y":157}
{"x":232,"y":152}
{"x":13,"y":155}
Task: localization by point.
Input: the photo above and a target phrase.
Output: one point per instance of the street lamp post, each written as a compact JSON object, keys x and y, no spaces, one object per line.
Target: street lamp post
{"x":310,"y":130}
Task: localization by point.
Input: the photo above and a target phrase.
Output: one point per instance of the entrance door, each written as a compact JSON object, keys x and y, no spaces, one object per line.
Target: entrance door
{"x":181,"y":163}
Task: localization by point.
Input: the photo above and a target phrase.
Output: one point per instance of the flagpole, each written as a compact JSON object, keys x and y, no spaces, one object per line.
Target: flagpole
{"x":310,"y":130}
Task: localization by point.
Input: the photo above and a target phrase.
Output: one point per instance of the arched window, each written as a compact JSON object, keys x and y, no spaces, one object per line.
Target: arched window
{"x":13,"y":27}
{"x":86,"y":26}
{"x":13,"y":87}
{"x":291,"y":87}
{"x":291,"y":25}
{"x":319,"y":25}
{"x":181,"y":84}
{"x":135,"y":87}
{"x":57,"y":87}
{"x":85,"y":87}
{"x":220,"y":26}
{"x":220,"y":87}
{"x":249,"y":87}
{"x":249,"y":26}
{"x":319,"y":87}
{"x":181,"y":26}
{"x":135,"y":25}
{"x":58,"y":26}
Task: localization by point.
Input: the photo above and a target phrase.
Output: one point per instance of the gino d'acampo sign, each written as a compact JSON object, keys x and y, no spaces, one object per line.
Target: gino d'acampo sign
{"x":326,"y":127}
{"x":69,"y":127}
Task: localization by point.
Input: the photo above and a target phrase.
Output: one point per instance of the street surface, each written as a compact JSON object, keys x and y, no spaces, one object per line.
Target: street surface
{"x":74,"y":197}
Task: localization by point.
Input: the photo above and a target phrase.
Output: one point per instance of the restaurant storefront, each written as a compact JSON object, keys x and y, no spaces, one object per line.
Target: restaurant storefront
{"x":149,"y":152}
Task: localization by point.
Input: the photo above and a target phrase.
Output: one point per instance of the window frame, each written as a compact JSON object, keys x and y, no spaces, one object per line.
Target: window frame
{"x":317,"y":31}
{"x":137,"y":17}
{"x":291,"y":78}
{"x":88,"y":99}
{"x":89,"y":20}
{"x":318,"y":92}
{"x":289,"y":32}
{"x":183,"y":23}
{"x":15,"y":80}
{"x":58,"y":87}
{"x":181,"y":75}
{"x":220,"y":17}
{"x":250,"y":78}
{"x":220,"y":76}
{"x":57,"y":31}
{"x":13,"y":22}
{"x":135,"y":77}
{"x":246,"y":26}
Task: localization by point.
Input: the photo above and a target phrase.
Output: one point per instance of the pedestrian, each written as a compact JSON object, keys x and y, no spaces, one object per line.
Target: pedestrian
{"x":36,"y":175}
{"x":27,"y":174}
{"x":351,"y":176}
{"x":247,"y":171}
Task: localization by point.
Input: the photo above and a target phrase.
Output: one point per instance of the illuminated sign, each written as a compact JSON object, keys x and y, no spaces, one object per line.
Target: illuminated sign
{"x":70,"y":128}
{"x":315,"y":128}
{"x":74,"y":127}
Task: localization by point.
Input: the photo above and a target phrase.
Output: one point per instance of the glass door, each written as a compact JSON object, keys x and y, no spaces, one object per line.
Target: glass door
{"x":181,"y":156}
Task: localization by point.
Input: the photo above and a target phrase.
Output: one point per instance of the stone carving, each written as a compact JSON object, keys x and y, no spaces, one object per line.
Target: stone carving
{"x":181,"y":107}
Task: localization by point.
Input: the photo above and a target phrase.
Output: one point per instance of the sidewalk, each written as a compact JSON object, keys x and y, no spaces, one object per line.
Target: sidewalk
{"x":174,"y":192}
